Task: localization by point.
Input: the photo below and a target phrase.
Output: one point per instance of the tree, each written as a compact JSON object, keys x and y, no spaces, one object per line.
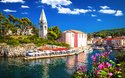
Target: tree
{"x":89,"y":36}
{"x":18,"y":23}
{"x":117,"y":33}
{"x":54,"y":33}
{"x":2,"y":17}
{"x":25,"y":23}
{"x":11,"y":18}
{"x":6,"y":24}
{"x":112,"y":34}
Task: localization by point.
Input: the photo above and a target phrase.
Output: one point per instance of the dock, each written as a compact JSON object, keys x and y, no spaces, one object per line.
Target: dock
{"x":50,"y":56}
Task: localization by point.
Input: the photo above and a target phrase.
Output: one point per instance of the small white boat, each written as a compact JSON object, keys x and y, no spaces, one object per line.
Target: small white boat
{"x":88,"y":50}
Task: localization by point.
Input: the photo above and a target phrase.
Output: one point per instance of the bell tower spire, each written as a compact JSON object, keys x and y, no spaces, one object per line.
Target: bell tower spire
{"x":43,"y":28}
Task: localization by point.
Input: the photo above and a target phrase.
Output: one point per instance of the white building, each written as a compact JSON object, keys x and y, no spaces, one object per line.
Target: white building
{"x":74,"y":38}
{"x":43,"y":28}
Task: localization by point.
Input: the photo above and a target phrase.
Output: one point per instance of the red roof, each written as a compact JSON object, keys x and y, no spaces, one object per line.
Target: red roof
{"x":113,"y":38}
{"x":59,"y":49}
{"x":28,"y":27}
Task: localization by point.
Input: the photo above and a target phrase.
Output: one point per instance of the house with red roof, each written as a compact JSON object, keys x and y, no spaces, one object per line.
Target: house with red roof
{"x":114,"y":41}
{"x":74,"y":38}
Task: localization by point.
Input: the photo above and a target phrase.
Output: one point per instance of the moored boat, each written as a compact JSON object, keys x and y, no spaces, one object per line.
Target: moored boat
{"x":48,"y":53}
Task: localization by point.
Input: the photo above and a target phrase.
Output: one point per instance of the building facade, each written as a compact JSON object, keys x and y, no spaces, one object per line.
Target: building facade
{"x":74,"y":38}
{"x":114,"y":42}
{"x":26,"y":31}
{"x":43,"y":28}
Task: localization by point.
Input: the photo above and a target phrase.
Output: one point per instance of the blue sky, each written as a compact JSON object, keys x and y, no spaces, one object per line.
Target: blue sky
{"x":85,"y":15}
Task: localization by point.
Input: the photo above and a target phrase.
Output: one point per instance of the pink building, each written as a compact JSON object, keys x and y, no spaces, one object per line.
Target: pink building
{"x":74,"y":38}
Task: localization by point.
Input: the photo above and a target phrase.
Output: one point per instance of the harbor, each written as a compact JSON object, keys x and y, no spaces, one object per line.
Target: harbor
{"x":45,"y":52}
{"x":57,"y":67}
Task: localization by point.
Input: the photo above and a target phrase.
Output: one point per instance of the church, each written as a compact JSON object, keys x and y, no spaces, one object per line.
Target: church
{"x":43,"y":26}
{"x":72,"y":37}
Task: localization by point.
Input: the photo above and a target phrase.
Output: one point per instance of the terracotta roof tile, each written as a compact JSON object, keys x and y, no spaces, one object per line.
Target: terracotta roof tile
{"x":74,"y":31}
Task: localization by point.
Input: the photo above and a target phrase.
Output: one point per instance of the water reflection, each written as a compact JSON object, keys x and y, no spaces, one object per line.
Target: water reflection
{"x":60,"y":67}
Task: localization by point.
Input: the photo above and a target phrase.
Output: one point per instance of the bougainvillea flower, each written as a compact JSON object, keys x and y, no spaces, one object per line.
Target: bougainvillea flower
{"x":96,"y":54}
{"x":100,"y":66}
{"x":78,"y":68}
{"x":120,"y":69}
{"x":95,"y":63}
{"x":110,"y":74}
{"x":98,"y":71}
{"x":92,"y":56}
{"x":109,"y":65}
{"x":94,"y":59}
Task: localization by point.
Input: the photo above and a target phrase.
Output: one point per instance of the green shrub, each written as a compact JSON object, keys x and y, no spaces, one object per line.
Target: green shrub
{"x":13,"y":42}
{"x":38,"y":44}
{"x":2,"y":40}
{"x":19,"y":37}
{"x":25,"y":40}
{"x":121,"y":59}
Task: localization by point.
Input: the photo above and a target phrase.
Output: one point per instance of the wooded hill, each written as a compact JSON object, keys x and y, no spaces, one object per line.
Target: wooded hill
{"x":110,"y":32}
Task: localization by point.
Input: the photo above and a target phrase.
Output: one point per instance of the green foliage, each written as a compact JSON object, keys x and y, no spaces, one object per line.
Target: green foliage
{"x":121,"y":59}
{"x":25,"y":40}
{"x":12,"y":23}
{"x":89,"y":36}
{"x":112,"y":32}
{"x":102,"y":67}
{"x":13,"y":42}
{"x":2,"y":39}
{"x":54,"y":33}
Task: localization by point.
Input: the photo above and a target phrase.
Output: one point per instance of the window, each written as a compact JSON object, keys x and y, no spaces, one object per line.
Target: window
{"x":45,"y":27}
{"x":41,"y":27}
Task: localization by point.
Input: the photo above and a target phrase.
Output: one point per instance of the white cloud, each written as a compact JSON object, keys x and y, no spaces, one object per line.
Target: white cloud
{"x":119,"y":13}
{"x":58,"y":4}
{"x":23,"y":6}
{"x":69,"y":11}
{"x":93,"y":15}
{"x":7,"y":10}
{"x":54,"y":3}
{"x":24,"y":13}
{"x":90,"y":7}
{"x":107,"y":11}
{"x":12,"y":1}
{"x":104,"y":7}
{"x":94,"y":10}
{"x":99,"y":20}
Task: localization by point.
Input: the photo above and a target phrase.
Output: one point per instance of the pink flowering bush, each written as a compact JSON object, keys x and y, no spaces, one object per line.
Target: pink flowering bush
{"x":102,"y":67}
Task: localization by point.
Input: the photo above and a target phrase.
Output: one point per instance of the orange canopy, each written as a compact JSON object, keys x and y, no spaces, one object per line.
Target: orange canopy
{"x":45,"y":48}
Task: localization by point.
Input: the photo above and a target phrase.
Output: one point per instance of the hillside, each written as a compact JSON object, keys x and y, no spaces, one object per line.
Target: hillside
{"x":112,"y":32}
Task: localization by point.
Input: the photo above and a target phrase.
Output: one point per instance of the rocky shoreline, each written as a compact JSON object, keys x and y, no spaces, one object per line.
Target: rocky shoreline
{"x":7,"y":51}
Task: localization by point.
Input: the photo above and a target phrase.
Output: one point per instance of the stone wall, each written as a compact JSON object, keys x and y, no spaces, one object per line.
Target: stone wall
{"x":8,"y":51}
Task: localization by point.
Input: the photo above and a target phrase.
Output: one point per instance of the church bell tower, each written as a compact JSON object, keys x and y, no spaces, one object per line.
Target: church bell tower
{"x":43,"y":28}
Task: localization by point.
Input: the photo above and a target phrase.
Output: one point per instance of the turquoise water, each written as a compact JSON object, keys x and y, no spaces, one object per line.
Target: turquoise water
{"x":61,"y":67}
